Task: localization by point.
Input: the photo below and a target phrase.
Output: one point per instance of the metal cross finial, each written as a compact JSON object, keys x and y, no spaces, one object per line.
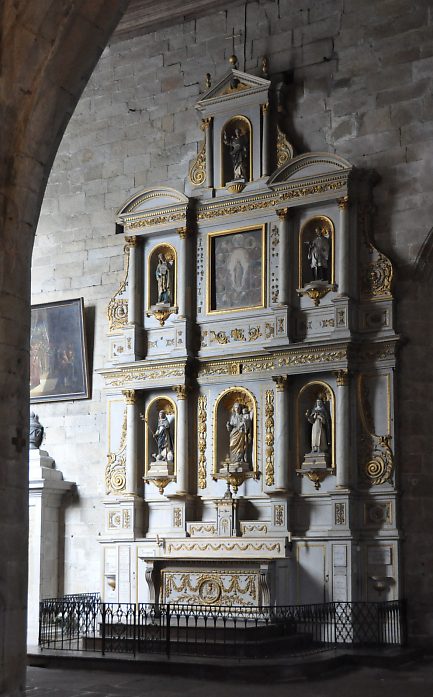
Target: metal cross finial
{"x":233,"y":36}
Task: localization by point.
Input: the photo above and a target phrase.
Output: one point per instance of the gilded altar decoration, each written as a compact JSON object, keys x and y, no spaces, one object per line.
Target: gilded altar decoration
{"x":269,"y":437}
{"x":117,"y":311}
{"x":211,"y":587}
{"x":376,"y":268}
{"x":202,"y":433}
{"x":197,"y":172}
{"x":284,"y":148}
{"x":378,"y":457}
{"x":115,"y":469}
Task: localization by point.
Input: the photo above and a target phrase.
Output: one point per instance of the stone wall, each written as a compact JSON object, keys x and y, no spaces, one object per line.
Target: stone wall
{"x":359,"y":83}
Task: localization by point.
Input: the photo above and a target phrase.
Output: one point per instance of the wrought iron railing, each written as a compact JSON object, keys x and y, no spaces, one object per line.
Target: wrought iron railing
{"x":84,"y":623}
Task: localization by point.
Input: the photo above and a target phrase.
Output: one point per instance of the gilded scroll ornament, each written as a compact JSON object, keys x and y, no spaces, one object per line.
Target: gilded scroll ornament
{"x":202,"y":432}
{"x":284,"y":148}
{"x":117,"y":310}
{"x":219,"y":337}
{"x":379,"y":459}
{"x":197,"y":172}
{"x":377,"y":272}
{"x":269,"y":437}
{"x":115,"y":469}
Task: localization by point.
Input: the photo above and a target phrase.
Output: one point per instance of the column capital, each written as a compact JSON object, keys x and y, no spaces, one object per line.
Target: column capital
{"x":181,"y":391}
{"x":343,"y":202}
{"x":281,"y":381}
{"x":130,"y":396}
{"x":265,"y":107}
{"x":282,"y":213}
{"x":342,"y":377}
{"x":131,"y":241}
{"x":205,"y":123}
{"x":182,"y":232}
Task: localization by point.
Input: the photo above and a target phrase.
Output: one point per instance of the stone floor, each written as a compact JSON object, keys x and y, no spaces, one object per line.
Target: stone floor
{"x":410,"y":680}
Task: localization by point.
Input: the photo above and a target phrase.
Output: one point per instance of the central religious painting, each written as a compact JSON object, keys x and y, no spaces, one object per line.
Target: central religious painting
{"x":236,"y":269}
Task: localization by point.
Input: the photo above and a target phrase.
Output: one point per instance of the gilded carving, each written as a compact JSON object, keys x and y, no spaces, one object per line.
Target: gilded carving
{"x":143,"y":373}
{"x":117,"y":311}
{"x":377,"y":453}
{"x":156,"y":219}
{"x":210,"y":588}
{"x":177,"y":517}
{"x":377,"y":272}
{"x":219,"y":337}
{"x":254,"y":333}
{"x":227,"y":547}
{"x":238,"y":334}
{"x":269,"y":437}
{"x":202,"y":433}
{"x":284,"y":148}
{"x":197,"y":172}
{"x":115,"y":469}
{"x":269,"y":330}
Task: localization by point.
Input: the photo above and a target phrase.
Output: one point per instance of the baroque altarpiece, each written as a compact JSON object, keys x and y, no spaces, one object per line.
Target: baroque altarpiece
{"x":250,"y":382}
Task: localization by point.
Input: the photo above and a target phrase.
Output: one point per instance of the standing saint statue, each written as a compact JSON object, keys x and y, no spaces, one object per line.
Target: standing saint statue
{"x":318,"y":255}
{"x":320,"y":431}
{"x":162,"y":274}
{"x":238,"y":147}
{"x":164,"y":439}
{"x":239,"y":428}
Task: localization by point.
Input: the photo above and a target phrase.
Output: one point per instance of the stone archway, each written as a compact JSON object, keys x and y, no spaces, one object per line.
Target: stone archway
{"x":48,"y":51}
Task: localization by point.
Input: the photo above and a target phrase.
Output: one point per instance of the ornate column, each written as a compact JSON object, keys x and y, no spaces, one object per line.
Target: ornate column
{"x":207,"y":126}
{"x":182,"y":273}
{"x":283,"y":295}
{"x":281,"y":434}
{"x":133,"y":298}
{"x":181,"y":443}
{"x":265,"y":139}
{"x":343,"y":247}
{"x":130,"y":397}
{"x":342,"y":445}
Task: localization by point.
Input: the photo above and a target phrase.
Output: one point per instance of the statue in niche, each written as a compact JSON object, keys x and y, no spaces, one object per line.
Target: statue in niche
{"x":321,"y":427}
{"x":36,"y":432}
{"x":318,"y":254}
{"x":164,"y":439}
{"x":162,"y":274}
{"x":238,"y":149}
{"x":240,"y":433}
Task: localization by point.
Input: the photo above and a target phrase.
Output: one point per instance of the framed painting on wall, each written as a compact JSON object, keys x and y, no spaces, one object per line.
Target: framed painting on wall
{"x":58,"y":355}
{"x":236,"y":270}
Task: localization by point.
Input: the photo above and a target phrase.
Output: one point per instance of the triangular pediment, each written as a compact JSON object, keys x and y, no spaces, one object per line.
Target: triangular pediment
{"x":232,"y":85}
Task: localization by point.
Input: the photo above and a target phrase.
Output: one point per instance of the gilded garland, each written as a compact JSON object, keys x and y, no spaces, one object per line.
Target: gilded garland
{"x":202,"y":432}
{"x":269,"y":428}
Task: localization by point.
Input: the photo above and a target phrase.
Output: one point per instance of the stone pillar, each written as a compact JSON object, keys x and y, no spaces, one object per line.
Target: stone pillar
{"x":182,"y":273}
{"x":265,"y":140}
{"x":342,"y":445}
{"x":207,"y":126}
{"x":181,"y":442}
{"x":131,"y":442}
{"x":342,"y":246}
{"x":133,"y":290}
{"x":46,"y":490}
{"x":281,"y":434}
{"x":283,"y":295}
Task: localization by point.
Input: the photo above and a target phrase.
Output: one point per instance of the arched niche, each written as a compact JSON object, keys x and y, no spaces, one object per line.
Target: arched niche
{"x":306,"y":401}
{"x":236,"y":152}
{"x":162,"y":277}
{"x":235,"y":432}
{"x":160,"y":438}
{"x":316,"y":245}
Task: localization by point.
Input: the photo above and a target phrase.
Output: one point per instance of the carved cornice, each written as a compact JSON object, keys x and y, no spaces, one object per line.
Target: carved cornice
{"x":143,"y":374}
{"x":283,"y":193}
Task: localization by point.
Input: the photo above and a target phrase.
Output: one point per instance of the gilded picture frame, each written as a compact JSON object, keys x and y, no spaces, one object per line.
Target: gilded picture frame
{"x":59,"y":367}
{"x":236,"y":270}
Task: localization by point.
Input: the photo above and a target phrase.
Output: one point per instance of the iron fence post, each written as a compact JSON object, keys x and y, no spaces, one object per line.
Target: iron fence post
{"x":167,"y":630}
{"x":103,"y":629}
